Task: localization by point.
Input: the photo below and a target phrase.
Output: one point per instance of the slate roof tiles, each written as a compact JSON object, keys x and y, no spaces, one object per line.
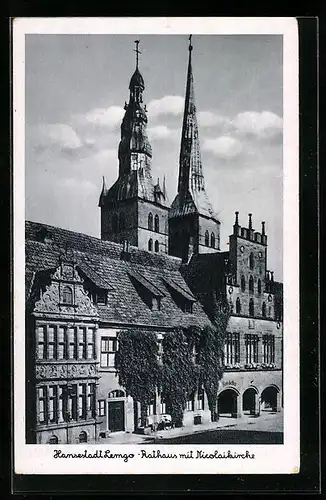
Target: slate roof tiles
{"x":102,"y":260}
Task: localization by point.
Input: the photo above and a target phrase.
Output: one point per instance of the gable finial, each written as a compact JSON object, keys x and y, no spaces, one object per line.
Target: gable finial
{"x":137,"y":42}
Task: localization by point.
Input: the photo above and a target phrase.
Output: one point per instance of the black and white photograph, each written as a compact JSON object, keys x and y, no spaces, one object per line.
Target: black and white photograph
{"x":156,"y":221}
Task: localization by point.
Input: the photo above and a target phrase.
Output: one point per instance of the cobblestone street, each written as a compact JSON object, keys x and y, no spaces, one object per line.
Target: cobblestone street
{"x":265,"y":423}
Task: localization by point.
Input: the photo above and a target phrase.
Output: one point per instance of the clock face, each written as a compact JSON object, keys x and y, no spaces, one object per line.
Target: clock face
{"x":242,"y":249}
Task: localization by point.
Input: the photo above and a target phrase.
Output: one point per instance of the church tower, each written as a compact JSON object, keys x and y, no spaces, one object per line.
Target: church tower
{"x":193,"y":225}
{"x":134,"y":208}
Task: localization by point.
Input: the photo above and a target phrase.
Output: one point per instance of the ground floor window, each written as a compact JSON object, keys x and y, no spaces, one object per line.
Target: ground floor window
{"x":190,"y":404}
{"x":101,"y":407}
{"x":59,"y":403}
{"x":200,"y":399}
{"x":151,"y":408}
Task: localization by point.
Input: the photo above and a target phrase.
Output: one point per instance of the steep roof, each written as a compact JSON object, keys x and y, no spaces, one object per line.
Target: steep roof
{"x":192,"y":197}
{"x":101,"y":261}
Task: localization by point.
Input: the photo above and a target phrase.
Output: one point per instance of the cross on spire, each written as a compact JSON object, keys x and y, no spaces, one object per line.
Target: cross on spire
{"x":190,"y":46}
{"x":137,"y":51}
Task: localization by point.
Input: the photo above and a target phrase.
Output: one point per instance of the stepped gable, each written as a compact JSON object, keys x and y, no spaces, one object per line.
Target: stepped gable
{"x":124,"y":305}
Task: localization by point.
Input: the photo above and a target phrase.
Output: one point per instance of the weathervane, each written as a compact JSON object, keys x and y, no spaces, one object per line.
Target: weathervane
{"x":137,"y":51}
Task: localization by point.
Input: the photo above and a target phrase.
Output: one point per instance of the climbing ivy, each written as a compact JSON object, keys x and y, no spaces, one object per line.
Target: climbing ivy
{"x":192,"y":357}
{"x":211,"y":354}
{"x":179,"y":373}
{"x":137,"y":366}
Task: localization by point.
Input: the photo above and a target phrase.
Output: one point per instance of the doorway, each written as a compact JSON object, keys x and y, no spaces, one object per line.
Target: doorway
{"x":116,"y":415}
{"x":249,"y":402}
{"x":269,"y":399}
{"x":227,"y":403}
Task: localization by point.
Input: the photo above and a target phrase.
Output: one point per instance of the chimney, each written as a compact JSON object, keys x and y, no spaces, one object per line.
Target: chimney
{"x":125,"y":254}
{"x":250,"y":222}
{"x":263,"y":228}
{"x":236,"y":227}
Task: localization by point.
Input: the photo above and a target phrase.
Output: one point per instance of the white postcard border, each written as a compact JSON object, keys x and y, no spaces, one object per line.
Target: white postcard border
{"x":269,"y":459}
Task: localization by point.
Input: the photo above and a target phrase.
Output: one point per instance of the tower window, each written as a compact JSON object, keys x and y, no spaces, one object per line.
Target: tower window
{"x":67,"y":295}
{"x":238,"y":306}
{"x":150,"y":221}
{"x":206,"y":238}
{"x":157,"y":224}
{"x":114,"y":223}
{"x":150,"y":245}
{"x":251,"y":260}
{"x":263,"y":310}
{"x":259,"y":286}
{"x":122,"y":222}
{"x":213,"y":240}
{"x":243,"y":283}
{"x":156,"y":246}
{"x":251,"y":308}
{"x":251,"y":284}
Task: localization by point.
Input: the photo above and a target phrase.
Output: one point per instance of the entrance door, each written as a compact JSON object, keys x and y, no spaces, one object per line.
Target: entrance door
{"x":116,"y":416}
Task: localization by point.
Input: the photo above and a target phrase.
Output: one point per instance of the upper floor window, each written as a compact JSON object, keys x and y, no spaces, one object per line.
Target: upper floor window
{"x":259,"y":286}
{"x":206,"y":238}
{"x":150,"y":221}
{"x":251,"y":260}
{"x":213,"y":240}
{"x":268,"y":349}
{"x":109,"y":346}
{"x":114,"y":223}
{"x":251,"y":308}
{"x":263,"y":310}
{"x":67,"y":295}
{"x":150,"y":244}
{"x":243,"y":283}
{"x":232,"y":348}
{"x":156,"y":246}
{"x":251,"y":347}
{"x":157,"y":224}
{"x":238,"y":306}
{"x":251,"y":284}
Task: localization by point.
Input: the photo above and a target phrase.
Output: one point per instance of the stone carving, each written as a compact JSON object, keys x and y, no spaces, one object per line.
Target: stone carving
{"x":52,"y":301}
{"x":62,"y":371}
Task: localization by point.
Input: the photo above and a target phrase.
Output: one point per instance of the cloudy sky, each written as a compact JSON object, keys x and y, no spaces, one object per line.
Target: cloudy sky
{"x":76,"y":86}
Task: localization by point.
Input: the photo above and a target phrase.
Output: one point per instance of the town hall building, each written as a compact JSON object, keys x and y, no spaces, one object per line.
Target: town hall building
{"x":156,"y":267}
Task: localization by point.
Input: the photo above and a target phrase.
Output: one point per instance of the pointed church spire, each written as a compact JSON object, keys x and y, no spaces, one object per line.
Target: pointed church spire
{"x":103,"y":192}
{"x":191,"y":178}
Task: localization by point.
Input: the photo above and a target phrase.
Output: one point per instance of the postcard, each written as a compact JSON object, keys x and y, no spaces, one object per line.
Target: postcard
{"x":156,"y":246}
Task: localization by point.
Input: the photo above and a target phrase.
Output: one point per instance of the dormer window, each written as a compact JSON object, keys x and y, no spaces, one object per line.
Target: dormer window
{"x":148,"y":292}
{"x":67,"y":297}
{"x":101,"y":297}
{"x":182,"y":297}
